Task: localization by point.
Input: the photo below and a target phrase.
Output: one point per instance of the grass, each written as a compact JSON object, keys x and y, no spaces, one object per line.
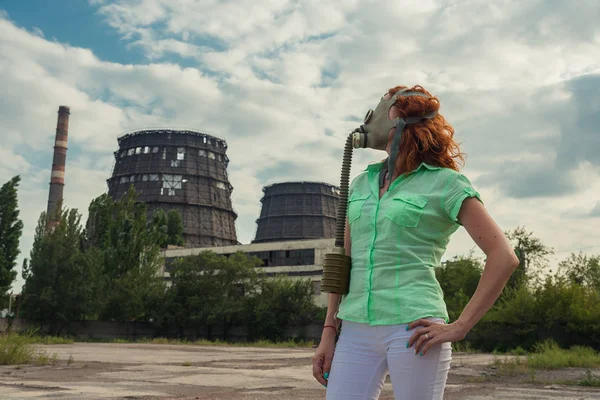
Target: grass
{"x":547,"y":355}
{"x":18,"y":350}
{"x":33,"y":337}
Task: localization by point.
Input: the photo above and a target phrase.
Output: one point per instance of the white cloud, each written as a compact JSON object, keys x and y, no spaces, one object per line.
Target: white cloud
{"x":273,"y":77}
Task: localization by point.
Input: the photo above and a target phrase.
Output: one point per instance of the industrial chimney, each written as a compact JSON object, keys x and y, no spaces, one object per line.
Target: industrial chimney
{"x":57,"y":179}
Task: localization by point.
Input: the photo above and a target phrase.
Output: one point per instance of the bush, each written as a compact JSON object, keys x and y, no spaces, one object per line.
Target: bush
{"x":567,"y":313}
{"x":18,"y":349}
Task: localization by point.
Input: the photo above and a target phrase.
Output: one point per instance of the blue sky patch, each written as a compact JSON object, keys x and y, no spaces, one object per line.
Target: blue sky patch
{"x":72,"y":22}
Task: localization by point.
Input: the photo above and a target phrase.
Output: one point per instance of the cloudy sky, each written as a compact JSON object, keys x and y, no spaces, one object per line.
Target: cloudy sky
{"x":284,"y":82}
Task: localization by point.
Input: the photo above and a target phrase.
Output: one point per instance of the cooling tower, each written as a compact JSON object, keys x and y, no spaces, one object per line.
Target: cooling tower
{"x":297,"y":211}
{"x":179,"y":170}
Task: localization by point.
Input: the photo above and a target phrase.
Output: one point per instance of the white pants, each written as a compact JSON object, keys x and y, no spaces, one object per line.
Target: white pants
{"x":365,"y":354}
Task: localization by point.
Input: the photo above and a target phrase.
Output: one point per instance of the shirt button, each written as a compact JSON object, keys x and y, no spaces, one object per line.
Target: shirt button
{"x":371,"y":225}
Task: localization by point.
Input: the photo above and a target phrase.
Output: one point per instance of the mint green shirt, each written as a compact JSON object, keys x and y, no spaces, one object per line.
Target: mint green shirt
{"x":398,"y":241}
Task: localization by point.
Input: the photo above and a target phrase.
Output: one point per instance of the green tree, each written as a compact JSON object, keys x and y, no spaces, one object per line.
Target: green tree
{"x":11,"y":228}
{"x":458,"y":279}
{"x":60,"y":278}
{"x":169,"y":228}
{"x":160,"y":222}
{"x":132,"y":261}
{"x":533,"y":256}
{"x":175,"y":228}
{"x":209,"y":290}
{"x":281,"y":303}
{"x":98,"y":225}
{"x":581,"y":269}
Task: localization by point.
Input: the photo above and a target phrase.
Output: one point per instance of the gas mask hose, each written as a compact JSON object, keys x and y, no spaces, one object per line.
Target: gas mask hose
{"x":344,"y":183}
{"x":336,"y":265}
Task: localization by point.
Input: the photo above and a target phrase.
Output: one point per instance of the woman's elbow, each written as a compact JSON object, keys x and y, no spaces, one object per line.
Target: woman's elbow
{"x":510,"y":259}
{"x":505,"y":257}
{"x":514,"y":261}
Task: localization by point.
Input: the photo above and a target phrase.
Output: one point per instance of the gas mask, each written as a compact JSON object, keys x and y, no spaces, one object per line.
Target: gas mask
{"x":374,"y":134}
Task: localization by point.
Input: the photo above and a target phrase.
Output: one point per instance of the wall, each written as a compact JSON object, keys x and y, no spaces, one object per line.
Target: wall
{"x":107,"y":330}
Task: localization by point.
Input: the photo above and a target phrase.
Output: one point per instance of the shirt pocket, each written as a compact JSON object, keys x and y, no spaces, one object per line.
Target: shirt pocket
{"x":355,"y":205}
{"x":406,"y":209}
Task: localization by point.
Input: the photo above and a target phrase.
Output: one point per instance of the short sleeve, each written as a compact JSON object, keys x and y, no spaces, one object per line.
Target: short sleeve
{"x":457,"y":190}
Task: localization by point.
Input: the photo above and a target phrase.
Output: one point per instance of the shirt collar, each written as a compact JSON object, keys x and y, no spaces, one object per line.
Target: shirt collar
{"x":378,"y":166}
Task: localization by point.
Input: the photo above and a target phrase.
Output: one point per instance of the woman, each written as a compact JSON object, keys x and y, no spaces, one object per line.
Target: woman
{"x":398,"y":226}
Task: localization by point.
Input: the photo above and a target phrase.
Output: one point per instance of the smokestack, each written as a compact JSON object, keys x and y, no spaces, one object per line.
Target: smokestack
{"x":57,"y":179}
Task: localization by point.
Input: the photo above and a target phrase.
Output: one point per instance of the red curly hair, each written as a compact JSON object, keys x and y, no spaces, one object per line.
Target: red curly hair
{"x":430,"y":141}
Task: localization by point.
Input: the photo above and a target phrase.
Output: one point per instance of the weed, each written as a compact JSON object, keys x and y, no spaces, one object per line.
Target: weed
{"x":510,"y":366}
{"x":15,"y":350}
{"x":32,"y":336}
{"x":18,"y":349}
{"x":548,"y":355}
{"x":589,"y":380}
{"x":519,"y":351}
{"x":463,"y":347}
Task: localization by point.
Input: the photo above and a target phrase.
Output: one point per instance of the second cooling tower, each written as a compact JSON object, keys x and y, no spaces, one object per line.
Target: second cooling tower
{"x":297,"y":211}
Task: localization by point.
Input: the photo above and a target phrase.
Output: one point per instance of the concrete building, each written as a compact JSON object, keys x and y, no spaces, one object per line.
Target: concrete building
{"x":296,"y":259}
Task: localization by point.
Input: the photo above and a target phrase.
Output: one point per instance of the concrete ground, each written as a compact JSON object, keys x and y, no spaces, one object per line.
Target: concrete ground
{"x":145,"y":371}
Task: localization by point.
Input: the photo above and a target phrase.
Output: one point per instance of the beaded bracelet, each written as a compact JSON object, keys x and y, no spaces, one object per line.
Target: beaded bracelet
{"x":330,"y":326}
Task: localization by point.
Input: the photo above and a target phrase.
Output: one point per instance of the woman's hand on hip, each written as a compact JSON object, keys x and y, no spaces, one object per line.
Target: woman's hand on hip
{"x":430,"y":333}
{"x":323,"y":357}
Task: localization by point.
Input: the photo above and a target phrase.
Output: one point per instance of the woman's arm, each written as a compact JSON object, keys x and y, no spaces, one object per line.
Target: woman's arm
{"x":324,"y":355}
{"x":500,"y":263}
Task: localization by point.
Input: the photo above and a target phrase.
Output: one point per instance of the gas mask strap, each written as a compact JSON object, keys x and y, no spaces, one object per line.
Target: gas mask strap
{"x":400,"y":123}
{"x":415,"y":120}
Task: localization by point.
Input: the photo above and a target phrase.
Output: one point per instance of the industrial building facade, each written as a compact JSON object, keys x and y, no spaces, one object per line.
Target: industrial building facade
{"x":298,"y":259}
{"x":179,"y":170}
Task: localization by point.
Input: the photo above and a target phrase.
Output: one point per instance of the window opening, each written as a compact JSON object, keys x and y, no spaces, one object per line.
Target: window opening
{"x":170,"y":184}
